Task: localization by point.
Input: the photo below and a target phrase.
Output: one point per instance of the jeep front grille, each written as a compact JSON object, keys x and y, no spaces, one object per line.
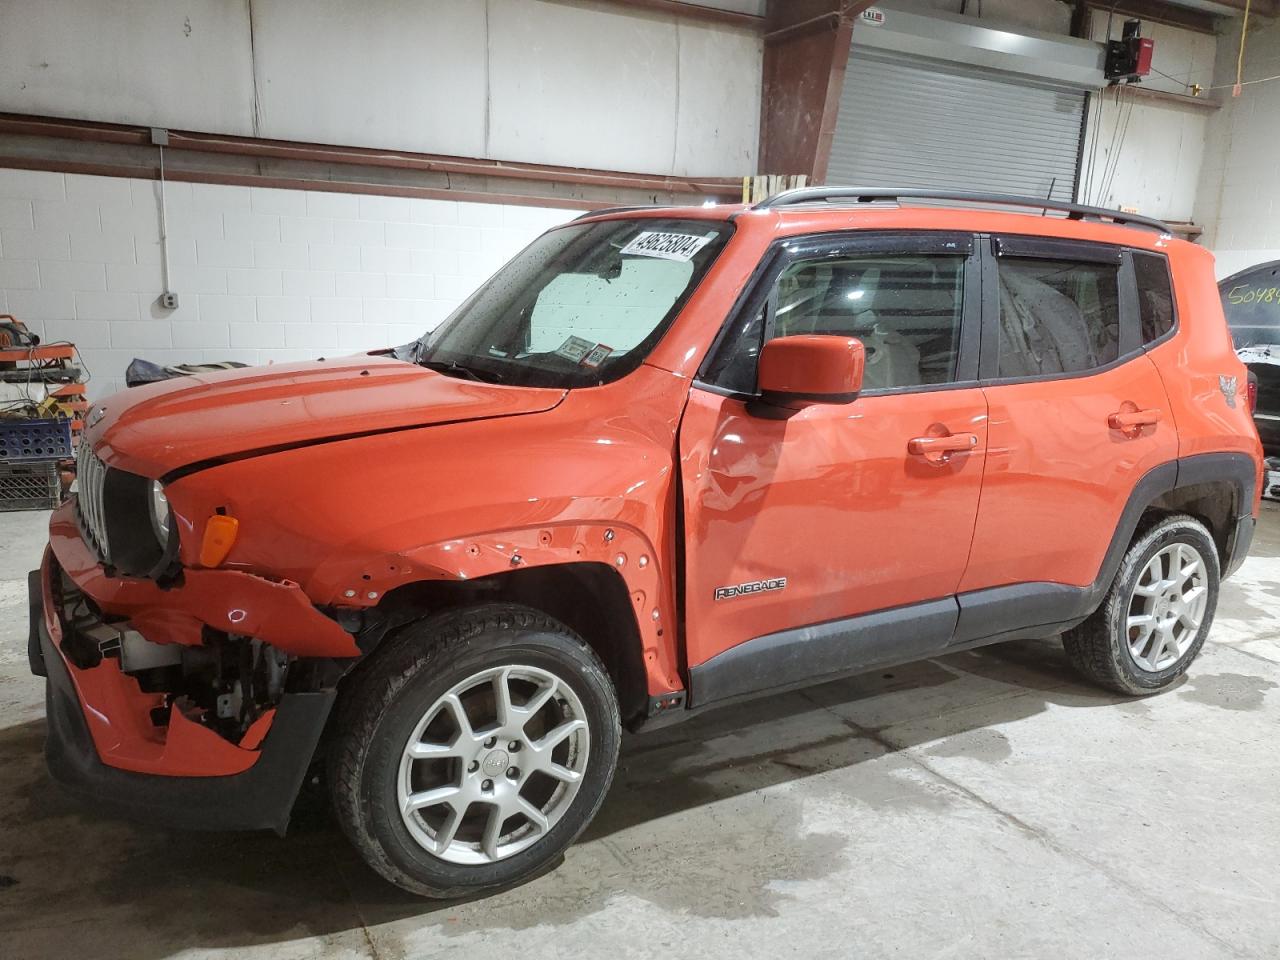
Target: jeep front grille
{"x":91,"y":477}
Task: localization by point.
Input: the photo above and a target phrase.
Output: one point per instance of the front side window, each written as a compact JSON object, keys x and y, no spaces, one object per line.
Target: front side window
{"x":1057,"y":316}
{"x":580,"y":306}
{"x":906,"y":309}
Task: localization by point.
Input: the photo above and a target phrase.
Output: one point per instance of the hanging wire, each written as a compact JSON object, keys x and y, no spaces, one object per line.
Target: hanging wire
{"x":1099,"y":196}
{"x":1219,"y":86}
{"x":1097,"y":125}
{"x":1244,"y":33}
{"x":1099,"y":96}
{"x":1245,"y":83}
{"x":1119,"y":147}
{"x":1111,"y":159}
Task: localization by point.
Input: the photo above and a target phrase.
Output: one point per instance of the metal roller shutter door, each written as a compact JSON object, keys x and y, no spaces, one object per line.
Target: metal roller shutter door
{"x":907,"y":122}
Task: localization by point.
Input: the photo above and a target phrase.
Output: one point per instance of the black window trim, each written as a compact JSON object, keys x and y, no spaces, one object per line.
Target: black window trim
{"x":1027,"y":247}
{"x":787,"y":250}
{"x":1088,"y":251}
{"x":1173,"y":297}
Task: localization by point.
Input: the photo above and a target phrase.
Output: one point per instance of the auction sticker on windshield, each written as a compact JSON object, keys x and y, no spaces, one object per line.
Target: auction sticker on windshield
{"x":575,"y":348}
{"x":667,"y":246}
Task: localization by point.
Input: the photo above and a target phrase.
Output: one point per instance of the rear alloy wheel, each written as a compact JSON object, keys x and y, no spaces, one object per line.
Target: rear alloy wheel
{"x":1166,"y":607}
{"x":472,"y":749}
{"x":1157,"y":613}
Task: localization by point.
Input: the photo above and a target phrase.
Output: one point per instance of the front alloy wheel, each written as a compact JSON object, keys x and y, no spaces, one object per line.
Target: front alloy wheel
{"x":480,"y":783}
{"x":472,"y":748}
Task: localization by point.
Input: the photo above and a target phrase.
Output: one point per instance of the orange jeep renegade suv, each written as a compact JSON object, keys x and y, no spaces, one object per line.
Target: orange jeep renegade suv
{"x":664,"y":460}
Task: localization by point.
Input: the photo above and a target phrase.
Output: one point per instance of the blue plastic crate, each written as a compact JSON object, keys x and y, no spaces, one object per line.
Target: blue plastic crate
{"x":26,"y":440}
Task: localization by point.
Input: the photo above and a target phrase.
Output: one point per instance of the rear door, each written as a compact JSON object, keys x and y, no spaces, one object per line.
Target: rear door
{"x":1078,"y":416}
{"x":828,"y":540}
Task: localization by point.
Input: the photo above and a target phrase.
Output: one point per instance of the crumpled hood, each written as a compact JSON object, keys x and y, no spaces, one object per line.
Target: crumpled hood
{"x":162,"y":427}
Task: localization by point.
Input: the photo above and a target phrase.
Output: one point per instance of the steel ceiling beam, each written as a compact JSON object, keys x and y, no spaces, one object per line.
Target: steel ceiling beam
{"x":691,"y":11}
{"x":1265,"y":8}
{"x":806,"y":50}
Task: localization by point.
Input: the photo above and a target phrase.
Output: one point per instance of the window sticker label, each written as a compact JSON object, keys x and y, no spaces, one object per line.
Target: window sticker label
{"x":575,"y":348}
{"x":667,"y":246}
{"x":597,"y":355}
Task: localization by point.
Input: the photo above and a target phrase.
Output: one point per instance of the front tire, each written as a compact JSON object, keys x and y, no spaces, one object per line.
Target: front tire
{"x":473,"y":750}
{"x":1155,"y":617}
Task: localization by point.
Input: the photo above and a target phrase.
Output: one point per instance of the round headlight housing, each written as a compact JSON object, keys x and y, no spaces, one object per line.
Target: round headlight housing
{"x":161,"y":514}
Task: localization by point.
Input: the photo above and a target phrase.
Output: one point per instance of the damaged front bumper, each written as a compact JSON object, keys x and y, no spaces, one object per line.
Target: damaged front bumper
{"x":146,"y":754}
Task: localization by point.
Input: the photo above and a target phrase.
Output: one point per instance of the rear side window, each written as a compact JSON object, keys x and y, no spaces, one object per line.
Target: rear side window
{"x":1057,"y":316}
{"x":1155,"y":295}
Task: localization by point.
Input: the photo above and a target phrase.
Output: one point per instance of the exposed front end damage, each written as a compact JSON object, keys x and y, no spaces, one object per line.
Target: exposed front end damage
{"x":188,"y":703}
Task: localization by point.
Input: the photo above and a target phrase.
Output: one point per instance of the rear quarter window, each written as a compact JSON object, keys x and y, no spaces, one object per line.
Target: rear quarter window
{"x":1155,"y":295}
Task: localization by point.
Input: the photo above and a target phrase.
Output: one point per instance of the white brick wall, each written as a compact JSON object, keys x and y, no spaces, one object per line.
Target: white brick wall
{"x":262,"y":275}
{"x":1239,"y":197}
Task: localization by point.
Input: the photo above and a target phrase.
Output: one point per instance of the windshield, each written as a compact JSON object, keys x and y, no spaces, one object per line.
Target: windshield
{"x":1251,"y":301}
{"x":580,"y":306}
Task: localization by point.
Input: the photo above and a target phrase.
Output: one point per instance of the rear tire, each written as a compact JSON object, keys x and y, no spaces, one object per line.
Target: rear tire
{"x":473,"y":750}
{"x":1155,"y":617}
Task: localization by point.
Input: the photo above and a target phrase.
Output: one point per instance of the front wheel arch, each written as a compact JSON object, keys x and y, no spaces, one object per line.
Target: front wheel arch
{"x":591,"y":599}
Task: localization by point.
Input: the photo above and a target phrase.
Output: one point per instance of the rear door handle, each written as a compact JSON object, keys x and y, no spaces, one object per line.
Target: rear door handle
{"x":939,"y":449}
{"x":1131,"y":421}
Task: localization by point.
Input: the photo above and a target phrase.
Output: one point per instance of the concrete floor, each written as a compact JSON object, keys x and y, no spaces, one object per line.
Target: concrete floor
{"x":982,"y":805}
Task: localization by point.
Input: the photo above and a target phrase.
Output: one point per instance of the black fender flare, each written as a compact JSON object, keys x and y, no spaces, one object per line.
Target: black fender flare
{"x":1046,"y":608}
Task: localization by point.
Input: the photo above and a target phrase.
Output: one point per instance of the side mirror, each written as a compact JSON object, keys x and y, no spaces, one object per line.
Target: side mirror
{"x":797,"y":371}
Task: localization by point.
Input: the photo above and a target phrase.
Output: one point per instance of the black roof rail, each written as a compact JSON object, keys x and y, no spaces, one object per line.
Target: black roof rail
{"x":604,"y":210}
{"x":1074,"y":211}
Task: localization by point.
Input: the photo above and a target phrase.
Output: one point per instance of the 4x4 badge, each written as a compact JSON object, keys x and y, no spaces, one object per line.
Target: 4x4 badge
{"x":1228,"y":386}
{"x":755,"y":586}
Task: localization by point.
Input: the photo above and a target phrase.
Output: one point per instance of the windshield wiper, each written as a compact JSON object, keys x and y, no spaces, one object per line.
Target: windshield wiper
{"x":454,"y":369}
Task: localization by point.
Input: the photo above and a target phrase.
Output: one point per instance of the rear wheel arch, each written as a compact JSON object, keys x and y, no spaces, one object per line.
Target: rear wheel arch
{"x":1214,"y":503}
{"x":1213,"y":488}
{"x":591,"y":599}
{"x":1218,"y":489}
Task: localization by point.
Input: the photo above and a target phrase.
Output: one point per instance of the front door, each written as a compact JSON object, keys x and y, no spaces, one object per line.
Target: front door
{"x":835,"y":538}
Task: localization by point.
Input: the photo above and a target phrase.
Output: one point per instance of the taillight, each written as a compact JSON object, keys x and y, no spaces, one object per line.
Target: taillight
{"x":1253,"y":394}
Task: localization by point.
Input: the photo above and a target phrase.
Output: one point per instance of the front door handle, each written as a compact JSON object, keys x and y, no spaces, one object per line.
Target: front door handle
{"x":940,"y":449}
{"x":1131,"y":421}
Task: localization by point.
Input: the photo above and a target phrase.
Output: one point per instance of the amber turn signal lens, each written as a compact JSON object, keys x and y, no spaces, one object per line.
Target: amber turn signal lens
{"x":219,"y":537}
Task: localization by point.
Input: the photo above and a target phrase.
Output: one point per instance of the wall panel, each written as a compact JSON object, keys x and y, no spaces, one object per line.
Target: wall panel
{"x":170,"y":63}
{"x":379,"y":73}
{"x":577,"y":84}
